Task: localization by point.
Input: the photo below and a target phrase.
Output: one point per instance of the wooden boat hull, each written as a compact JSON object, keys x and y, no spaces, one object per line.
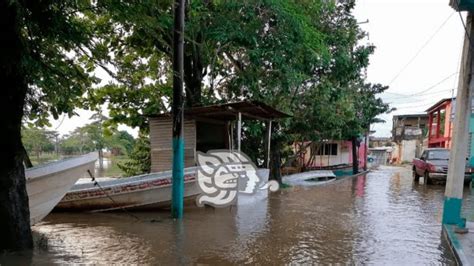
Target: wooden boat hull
{"x":139,"y":192}
{"x":47,"y":184}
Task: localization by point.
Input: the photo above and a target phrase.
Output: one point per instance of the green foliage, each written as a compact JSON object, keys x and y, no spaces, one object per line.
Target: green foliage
{"x":303,"y":57}
{"x":37,"y":140}
{"x":55,"y":36}
{"x":120,"y":141}
{"x":78,"y":142}
{"x":139,"y":159}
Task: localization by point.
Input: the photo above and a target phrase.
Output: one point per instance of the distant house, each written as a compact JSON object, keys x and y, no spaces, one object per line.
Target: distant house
{"x":440,"y":123}
{"x":375,"y":142}
{"x":441,"y":120}
{"x":408,"y":132}
{"x":329,"y":154}
{"x":409,"y":126}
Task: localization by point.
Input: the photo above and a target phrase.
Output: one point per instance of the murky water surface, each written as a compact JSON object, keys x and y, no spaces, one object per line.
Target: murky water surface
{"x":381,"y":218}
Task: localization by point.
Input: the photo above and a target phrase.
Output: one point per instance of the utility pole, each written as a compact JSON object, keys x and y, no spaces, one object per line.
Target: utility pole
{"x":457,"y":160}
{"x":178,"y":111}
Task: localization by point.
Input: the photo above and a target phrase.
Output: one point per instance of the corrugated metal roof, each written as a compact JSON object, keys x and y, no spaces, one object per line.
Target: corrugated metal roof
{"x":250,"y":110}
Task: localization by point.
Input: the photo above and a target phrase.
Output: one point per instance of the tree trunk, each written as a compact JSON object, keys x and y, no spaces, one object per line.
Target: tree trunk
{"x":193,"y":74}
{"x":275,"y":155}
{"x":355,"y":160}
{"x":26,"y":159}
{"x":15,"y":228}
{"x":101,"y":159}
{"x":275,"y":170}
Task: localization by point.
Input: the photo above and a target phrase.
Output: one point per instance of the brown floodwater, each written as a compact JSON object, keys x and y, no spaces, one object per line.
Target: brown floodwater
{"x":380,"y":218}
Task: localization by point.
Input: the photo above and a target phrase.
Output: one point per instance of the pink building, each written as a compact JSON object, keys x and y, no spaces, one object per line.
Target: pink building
{"x":440,"y":126}
{"x":329,"y":154}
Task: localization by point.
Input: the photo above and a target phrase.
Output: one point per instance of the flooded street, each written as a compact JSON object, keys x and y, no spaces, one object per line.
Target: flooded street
{"x":378,"y":218}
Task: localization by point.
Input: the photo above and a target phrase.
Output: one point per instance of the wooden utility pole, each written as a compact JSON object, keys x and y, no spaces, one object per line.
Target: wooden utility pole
{"x":457,"y":160}
{"x":178,"y":111}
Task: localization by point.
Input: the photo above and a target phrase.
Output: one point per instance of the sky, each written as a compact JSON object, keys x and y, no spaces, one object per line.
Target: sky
{"x":418,"y":49}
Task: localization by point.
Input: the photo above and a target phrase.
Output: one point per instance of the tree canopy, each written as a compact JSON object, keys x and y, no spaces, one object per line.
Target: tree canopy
{"x":303,"y":57}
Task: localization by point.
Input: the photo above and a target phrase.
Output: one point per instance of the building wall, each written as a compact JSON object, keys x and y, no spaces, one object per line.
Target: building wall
{"x":408,"y":150}
{"x":161,"y":143}
{"x":405,"y":151}
{"x":344,"y":155}
{"x":400,"y":122}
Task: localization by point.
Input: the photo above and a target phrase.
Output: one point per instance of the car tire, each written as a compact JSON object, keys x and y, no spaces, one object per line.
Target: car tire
{"x":416,"y":177}
{"x":427,"y":179}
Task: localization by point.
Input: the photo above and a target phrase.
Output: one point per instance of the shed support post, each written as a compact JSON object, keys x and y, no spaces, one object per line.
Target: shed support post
{"x":457,"y":160}
{"x":239,"y":130}
{"x":269,"y":140}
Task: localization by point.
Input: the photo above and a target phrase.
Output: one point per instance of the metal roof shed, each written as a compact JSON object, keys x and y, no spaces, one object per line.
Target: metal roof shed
{"x":206,"y":128}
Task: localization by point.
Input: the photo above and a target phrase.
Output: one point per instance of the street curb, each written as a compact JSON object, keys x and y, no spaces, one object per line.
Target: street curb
{"x":454,"y":245}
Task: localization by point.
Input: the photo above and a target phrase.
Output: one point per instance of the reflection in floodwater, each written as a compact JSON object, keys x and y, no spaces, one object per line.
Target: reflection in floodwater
{"x":379,"y":218}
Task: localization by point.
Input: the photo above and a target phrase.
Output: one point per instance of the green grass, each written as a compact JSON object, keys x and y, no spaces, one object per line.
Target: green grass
{"x":43,"y":158}
{"x":113,"y":170}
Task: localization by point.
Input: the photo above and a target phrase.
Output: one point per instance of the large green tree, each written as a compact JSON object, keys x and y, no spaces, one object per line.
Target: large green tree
{"x":40,"y":75}
{"x":302,"y":56}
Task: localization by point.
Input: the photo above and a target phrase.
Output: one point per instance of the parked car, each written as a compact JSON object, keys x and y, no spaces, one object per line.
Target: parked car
{"x":433,"y":166}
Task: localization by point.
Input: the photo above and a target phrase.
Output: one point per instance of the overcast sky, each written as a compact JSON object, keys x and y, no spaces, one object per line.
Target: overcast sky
{"x":418,"y":45}
{"x":399,"y":29}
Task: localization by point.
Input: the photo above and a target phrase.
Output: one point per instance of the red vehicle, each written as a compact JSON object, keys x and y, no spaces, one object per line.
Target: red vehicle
{"x":433,"y":166}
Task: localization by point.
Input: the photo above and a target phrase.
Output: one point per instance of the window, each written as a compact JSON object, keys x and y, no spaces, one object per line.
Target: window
{"x":438,"y":155}
{"x":327,"y":149}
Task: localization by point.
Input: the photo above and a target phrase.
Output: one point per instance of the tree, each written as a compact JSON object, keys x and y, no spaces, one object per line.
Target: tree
{"x":120,"y":141}
{"x":37,"y":140}
{"x":15,"y":223}
{"x":302,"y":56}
{"x":139,"y":158}
{"x":367,"y":107}
{"x":41,"y":76}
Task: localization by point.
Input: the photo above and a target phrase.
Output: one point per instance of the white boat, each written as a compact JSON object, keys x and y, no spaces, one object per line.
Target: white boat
{"x":311,"y":178}
{"x":141,"y":192}
{"x":138,"y":192}
{"x":47,"y":184}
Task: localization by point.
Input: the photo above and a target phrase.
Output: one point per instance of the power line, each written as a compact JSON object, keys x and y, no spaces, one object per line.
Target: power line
{"x":421,"y":48}
{"x":415,"y":100}
{"x":413,"y":106}
{"x":425,"y":90}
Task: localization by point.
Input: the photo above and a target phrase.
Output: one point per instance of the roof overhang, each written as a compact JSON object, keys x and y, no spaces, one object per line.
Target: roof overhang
{"x":440,"y":103}
{"x":249,"y":110}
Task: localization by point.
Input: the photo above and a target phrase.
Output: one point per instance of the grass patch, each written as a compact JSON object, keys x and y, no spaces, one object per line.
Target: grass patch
{"x":113,"y":170}
{"x":44,"y":158}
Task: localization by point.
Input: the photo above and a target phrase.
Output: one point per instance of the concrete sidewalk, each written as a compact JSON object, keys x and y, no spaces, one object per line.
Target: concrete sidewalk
{"x":462,"y":245}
